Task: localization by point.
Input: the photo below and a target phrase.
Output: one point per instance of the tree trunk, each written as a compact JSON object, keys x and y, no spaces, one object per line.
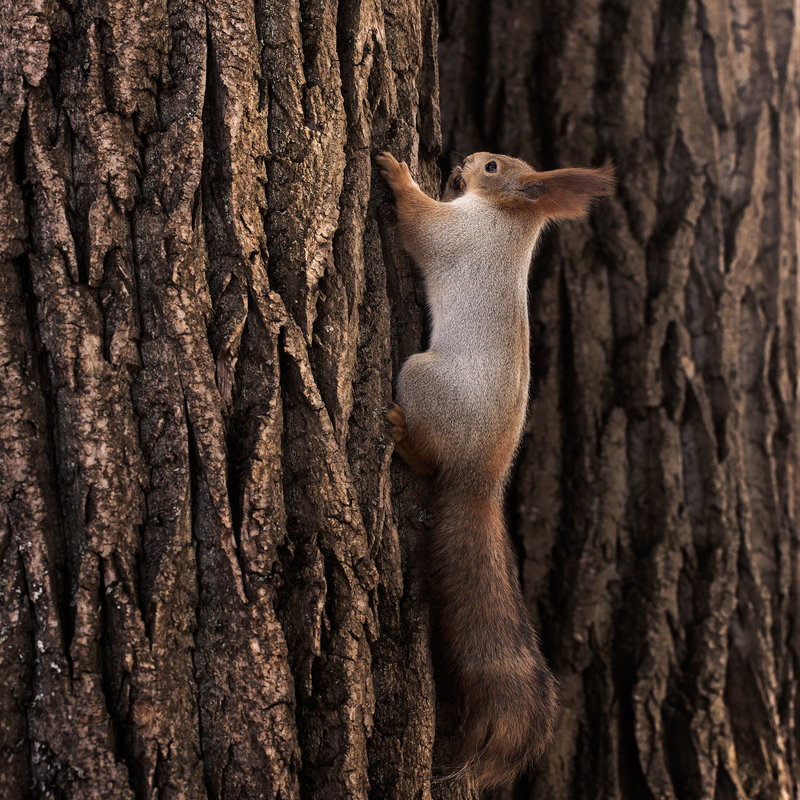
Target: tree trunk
{"x":207,"y":562}
{"x":211,"y":572}
{"x":655,"y":499}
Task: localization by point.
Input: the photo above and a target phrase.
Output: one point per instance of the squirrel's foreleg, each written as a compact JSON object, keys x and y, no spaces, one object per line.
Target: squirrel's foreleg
{"x":416,"y":212}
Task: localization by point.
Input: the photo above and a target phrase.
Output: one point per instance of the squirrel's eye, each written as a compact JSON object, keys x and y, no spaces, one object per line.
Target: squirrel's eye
{"x":491,"y":166}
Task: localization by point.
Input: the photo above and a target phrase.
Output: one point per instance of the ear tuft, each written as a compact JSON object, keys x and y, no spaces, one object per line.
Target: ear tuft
{"x":568,"y":193}
{"x":534,"y":190}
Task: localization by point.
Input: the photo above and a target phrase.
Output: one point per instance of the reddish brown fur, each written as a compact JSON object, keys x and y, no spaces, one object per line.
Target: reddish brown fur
{"x":418,"y":453}
{"x":518,"y":188}
{"x":500,"y":456}
{"x":412,"y":204}
{"x":510,"y":694}
{"x":568,"y":192}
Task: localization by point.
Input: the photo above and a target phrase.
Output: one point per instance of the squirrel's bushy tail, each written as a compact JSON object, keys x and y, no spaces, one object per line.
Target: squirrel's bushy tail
{"x":509,"y":693}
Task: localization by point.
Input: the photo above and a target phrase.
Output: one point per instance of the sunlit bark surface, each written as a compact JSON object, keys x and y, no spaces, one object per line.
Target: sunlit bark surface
{"x":206,"y":582}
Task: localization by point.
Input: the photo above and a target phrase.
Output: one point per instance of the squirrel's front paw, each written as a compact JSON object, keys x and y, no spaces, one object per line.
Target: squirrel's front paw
{"x":394,"y":172}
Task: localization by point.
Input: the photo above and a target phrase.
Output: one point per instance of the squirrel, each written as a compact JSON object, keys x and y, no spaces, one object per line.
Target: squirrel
{"x":460,"y":411}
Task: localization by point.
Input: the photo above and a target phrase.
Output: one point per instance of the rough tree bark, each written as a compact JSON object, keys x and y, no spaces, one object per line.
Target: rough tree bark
{"x":206,"y":584}
{"x":655,"y":502}
{"x":208,"y":565}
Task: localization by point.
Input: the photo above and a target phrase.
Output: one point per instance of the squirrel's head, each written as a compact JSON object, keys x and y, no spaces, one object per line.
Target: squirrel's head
{"x":517,"y":187}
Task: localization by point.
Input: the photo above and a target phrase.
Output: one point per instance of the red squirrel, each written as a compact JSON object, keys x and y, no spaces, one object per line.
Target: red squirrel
{"x":460,"y":411}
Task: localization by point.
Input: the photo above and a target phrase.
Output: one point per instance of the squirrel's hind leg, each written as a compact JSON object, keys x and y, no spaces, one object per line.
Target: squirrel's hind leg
{"x":414,"y":450}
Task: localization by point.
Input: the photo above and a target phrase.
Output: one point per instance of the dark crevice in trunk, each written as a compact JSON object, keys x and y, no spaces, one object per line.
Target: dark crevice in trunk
{"x":200,"y":654}
{"x":113,"y":680}
{"x":572,"y":527}
{"x":628,"y":632}
{"x":227,"y":284}
{"x":58,"y":542}
{"x":665,"y":75}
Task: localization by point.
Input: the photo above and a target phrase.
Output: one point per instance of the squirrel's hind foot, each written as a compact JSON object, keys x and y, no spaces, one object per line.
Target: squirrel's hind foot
{"x":418,"y":456}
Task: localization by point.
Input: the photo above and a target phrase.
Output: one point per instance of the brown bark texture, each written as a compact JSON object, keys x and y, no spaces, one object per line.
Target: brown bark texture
{"x":211,"y":572}
{"x":655,"y":499}
{"x":206,"y":567}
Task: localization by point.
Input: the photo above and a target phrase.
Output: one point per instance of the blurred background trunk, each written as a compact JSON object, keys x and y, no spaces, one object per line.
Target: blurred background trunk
{"x":210,"y":568}
{"x":655,"y":501}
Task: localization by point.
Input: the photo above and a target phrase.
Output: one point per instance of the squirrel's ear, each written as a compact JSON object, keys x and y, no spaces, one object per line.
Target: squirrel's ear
{"x":566,"y":193}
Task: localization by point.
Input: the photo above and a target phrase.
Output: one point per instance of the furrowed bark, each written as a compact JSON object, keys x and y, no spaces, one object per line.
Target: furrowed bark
{"x":206,"y":588}
{"x":211,"y":574}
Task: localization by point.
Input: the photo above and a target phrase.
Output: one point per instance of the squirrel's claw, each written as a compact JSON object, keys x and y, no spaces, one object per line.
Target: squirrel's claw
{"x":395,"y":173}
